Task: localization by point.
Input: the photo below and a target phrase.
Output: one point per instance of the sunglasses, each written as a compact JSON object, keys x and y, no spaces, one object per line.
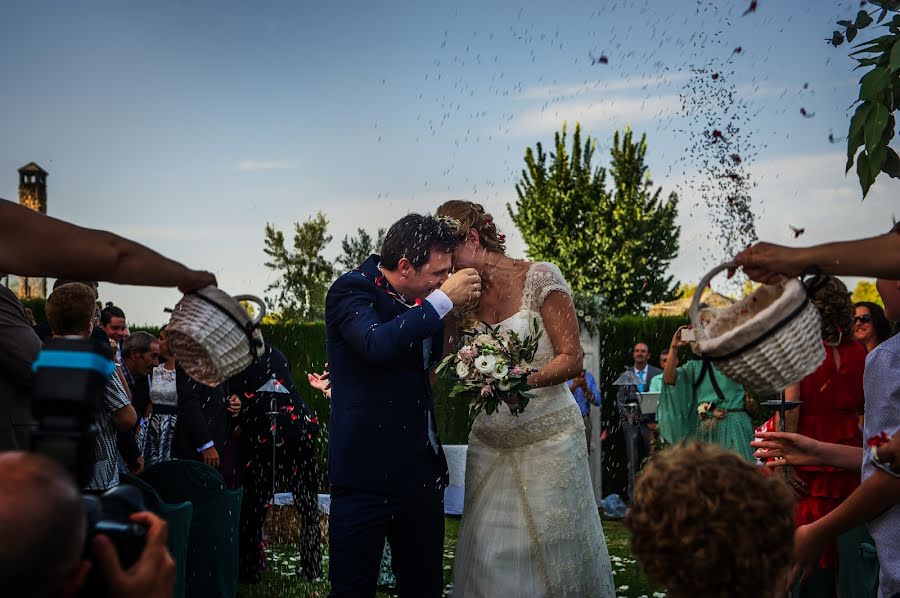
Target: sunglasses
{"x":863,"y":319}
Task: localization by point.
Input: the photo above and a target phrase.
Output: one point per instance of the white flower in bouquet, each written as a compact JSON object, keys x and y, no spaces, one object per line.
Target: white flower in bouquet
{"x":462,"y":370}
{"x":500,"y":370}
{"x":504,"y":384}
{"x":485,"y":364}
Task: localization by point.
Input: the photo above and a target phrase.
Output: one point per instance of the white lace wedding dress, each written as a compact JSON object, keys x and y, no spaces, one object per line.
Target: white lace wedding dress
{"x":530,"y":524}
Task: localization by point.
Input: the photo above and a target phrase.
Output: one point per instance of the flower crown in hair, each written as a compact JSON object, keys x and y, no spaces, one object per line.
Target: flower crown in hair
{"x":449,"y":221}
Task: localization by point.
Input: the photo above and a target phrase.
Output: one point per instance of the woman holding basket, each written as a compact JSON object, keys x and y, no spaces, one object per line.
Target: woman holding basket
{"x":699,"y":402}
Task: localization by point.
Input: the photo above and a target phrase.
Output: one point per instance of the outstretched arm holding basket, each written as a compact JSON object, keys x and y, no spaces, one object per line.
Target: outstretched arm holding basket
{"x":877,"y":257}
{"x":32,"y":244}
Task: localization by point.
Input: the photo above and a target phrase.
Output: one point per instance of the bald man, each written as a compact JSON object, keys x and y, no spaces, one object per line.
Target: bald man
{"x":42,"y":535}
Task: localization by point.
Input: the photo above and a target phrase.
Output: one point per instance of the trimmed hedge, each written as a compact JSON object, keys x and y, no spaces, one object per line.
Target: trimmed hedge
{"x":304,"y":346}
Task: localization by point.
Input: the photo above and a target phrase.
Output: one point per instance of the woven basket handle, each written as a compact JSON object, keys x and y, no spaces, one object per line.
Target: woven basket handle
{"x":694,"y":312}
{"x":257,"y":301}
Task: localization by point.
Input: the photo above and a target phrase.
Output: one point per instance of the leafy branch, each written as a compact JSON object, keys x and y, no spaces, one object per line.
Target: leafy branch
{"x":872,"y":125}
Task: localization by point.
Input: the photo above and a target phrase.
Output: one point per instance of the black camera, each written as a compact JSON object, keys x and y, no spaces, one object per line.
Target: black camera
{"x":109,"y":514}
{"x":70,"y":378}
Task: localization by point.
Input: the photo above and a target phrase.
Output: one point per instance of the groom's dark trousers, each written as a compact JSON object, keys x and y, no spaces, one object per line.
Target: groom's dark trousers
{"x":386,"y":464}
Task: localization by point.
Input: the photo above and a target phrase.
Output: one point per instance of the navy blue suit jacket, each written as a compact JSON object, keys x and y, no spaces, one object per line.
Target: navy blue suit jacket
{"x":381,"y":393}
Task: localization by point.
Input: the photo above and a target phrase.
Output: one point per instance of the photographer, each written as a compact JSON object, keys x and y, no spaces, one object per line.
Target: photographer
{"x":70,"y":311}
{"x":42,"y":537}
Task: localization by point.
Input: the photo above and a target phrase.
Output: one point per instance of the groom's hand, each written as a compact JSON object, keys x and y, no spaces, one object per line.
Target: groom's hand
{"x":463,"y":288}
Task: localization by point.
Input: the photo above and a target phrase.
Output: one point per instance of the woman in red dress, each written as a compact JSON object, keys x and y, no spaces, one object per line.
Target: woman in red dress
{"x":832,"y":399}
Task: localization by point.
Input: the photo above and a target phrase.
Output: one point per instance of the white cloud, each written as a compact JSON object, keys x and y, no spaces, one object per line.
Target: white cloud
{"x":609,"y":112}
{"x":549,"y":92}
{"x":262,"y":165}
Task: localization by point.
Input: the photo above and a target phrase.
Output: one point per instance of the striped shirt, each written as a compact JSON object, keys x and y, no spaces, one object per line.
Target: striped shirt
{"x":106,"y":468}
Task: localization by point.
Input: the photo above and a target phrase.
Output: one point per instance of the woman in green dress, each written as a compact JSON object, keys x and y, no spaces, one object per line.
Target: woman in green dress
{"x":699,"y":402}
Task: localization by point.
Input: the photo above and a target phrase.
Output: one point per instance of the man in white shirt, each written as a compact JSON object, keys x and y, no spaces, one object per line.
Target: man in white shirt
{"x":635,"y":424}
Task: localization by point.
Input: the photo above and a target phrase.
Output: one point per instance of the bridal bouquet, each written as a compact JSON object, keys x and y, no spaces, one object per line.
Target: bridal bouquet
{"x":491,"y":367}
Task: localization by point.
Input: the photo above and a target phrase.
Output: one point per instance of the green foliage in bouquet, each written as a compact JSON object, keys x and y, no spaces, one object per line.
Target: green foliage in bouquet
{"x":490,"y":367}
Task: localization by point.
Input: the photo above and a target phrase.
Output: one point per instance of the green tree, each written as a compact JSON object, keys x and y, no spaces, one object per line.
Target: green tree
{"x":615,"y":242}
{"x":872,"y":125}
{"x":866,"y":291}
{"x":356,"y":249}
{"x":304,"y":274}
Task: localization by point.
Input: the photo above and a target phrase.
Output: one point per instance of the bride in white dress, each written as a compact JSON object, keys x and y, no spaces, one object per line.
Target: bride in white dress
{"x":530,"y":524}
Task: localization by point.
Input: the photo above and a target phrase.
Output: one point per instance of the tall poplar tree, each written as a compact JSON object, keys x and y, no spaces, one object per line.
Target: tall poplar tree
{"x":614,"y":241}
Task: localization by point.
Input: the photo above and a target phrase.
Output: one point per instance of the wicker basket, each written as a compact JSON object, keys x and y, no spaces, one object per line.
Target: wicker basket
{"x":766,"y":341}
{"x":212,"y":336}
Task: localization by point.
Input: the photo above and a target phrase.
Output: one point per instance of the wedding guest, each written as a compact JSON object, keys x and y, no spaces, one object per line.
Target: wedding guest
{"x":70,"y":311}
{"x":140,"y":354}
{"x":205,"y":419}
{"x":877,"y":500}
{"x":163,"y":406}
{"x":584,"y":389}
{"x":113,"y":323}
{"x":871,"y":328}
{"x":700,"y":402}
{"x":19,"y":346}
{"x":704,"y":522}
{"x":636,"y":425}
{"x":42,"y":329}
{"x":831,"y":401}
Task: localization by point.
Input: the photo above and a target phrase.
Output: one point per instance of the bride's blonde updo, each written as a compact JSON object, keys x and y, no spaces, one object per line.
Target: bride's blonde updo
{"x":472,"y":215}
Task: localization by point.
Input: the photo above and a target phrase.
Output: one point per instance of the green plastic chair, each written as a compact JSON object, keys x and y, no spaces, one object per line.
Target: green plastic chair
{"x":212,"y":563}
{"x":178,"y":516}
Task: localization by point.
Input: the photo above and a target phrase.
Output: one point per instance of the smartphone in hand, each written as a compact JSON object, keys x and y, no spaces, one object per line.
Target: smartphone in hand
{"x":687,"y":335}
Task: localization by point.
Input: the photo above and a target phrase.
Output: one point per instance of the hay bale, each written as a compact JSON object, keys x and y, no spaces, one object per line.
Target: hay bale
{"x":283,"y":525}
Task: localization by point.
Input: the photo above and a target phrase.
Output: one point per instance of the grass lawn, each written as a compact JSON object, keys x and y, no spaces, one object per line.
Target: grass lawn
{"x":279,"y":580}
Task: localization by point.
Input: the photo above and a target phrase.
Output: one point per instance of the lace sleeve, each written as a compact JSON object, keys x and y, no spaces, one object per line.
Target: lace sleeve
{"x":545,"y":278}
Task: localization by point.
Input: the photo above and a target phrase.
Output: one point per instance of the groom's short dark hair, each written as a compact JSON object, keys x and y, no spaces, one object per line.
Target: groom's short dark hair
{"x":413,"y":237}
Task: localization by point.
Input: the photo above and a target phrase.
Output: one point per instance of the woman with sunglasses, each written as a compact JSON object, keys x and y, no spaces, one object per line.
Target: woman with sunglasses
{"x":870,"y":327}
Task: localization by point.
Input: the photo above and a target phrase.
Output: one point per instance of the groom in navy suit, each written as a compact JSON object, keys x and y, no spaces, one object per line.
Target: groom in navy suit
{"x":386,"y":465}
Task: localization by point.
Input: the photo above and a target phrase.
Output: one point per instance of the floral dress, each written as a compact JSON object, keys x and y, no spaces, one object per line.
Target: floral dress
{"x":161,"y":428}
{"x":692,"y":409}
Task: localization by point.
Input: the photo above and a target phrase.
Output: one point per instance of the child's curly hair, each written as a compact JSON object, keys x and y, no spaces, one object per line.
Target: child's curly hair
{"x":705,"y":522}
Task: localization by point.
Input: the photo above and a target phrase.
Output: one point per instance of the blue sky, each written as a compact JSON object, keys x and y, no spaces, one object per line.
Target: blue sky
{"x":189,"y":125}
